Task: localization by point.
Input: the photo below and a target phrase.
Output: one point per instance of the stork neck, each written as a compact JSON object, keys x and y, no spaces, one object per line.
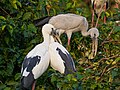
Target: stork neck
{"x":46,"y":38}
{"x":51,"y":39}
{"x":85,"y":32}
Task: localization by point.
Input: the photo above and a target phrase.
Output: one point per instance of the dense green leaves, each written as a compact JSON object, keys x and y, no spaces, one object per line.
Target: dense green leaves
{"x":18,"y":36}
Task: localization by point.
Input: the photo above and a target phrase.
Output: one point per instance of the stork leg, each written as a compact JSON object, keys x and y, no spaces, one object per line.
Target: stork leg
{"x":33,"y":86}
{"x":69,"y":33}
{"x":117,"y":6}
{"x":92,"y":18}
{"x":68,"y":41}
{"x":105,"y":11}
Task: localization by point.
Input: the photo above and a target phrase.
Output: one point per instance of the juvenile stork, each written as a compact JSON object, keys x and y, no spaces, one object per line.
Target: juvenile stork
{"x":36,"y":61}
{"x":69,"y":23}
{"x":98,"y":7}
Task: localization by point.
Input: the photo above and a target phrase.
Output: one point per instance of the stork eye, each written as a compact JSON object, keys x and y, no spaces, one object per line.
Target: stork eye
{"x":94,"y":35}
{"x":52,"y":29}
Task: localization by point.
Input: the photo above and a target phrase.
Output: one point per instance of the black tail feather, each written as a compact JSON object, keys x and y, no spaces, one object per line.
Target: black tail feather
{"x":40,"y":22}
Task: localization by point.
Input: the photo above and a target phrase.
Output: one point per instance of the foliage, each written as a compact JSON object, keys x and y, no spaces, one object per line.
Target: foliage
{"x":18,"y":36}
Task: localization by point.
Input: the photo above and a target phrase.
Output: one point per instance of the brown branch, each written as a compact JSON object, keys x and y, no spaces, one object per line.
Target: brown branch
{"x":115,"y":66}
{"x":4,"y":11}
{"x":91,"y":66}
{"x":107,"y":36}
{"x":109,"y":58}
{"x":106,"y":69}
{"x":99,"y":14}
{"x":110,"y":41}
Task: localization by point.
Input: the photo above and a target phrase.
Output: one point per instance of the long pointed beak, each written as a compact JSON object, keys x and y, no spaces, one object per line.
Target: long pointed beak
{"x":94,"y":46}
{"x":56,"y":36}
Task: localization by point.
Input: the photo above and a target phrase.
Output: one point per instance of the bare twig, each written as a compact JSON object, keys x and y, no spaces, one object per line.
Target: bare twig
{"x":91,"y":66}
{"x":107,"y":36}
{"x":109,"y":58}
{"x":110,"y":41}
{"x":106,"y":69}
{"x":115,"y":66}
{"x":99,"y":14}
{"x":4,"y":11}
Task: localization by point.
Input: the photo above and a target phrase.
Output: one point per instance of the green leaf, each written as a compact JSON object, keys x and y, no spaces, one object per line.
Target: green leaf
{"x":7,"y":88}
{"x":117,"y":59}
{"x":19,"y":4}
{"x":11,"y":83}
{"x":13,"y":1}
{"x":69,"y":77}
{"x":114,"y":73}
{"x":79,"y":76}
{"x":117,"y":29}
{"x":68,"y":5}
{"x":17,"y":76}
{"x":27,"y":16}
{"x":3,"y":18}
{"x":2,"y":86}
{"x":3,"y":27}
{"x":33,"y":41}
{"x":7,"y":40}
{"x":19,"y":15}
{"x":10,"y":30}
{"x":53,"y":78}
{"x":32,"y":28}
{"x":14,"y":5}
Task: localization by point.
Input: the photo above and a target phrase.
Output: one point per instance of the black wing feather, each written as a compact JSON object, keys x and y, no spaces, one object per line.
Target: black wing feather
{"x":29,"y":63}
{"x":40,"y":22}
{"x":69,"y":64}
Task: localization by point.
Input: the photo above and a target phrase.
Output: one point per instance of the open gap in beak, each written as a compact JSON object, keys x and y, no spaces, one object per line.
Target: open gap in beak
{"x":57,"y":39}
{"x":94,"y":46}
{"x":55,"y":35}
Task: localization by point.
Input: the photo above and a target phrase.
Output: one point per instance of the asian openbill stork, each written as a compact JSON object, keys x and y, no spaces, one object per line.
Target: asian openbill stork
{"x":36,"y":61}
{"x":60,"y":58}
{"x":98,"y":7}
{"x":65,"y":23}
{"x":69,"y":23}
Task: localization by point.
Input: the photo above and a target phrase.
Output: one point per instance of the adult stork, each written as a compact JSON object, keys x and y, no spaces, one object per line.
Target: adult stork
{"x":69,"y":23}
{"x":36,"y":61}
{"x":60,"y":58}
{"x":98,"y":7}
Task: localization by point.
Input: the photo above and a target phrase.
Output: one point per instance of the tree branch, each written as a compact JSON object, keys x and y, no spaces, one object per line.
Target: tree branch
{"x":4,"y":11}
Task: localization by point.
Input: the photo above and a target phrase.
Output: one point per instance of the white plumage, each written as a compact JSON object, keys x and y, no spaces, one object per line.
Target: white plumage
{"x":37,"y":60}
{"x":60,"y":59}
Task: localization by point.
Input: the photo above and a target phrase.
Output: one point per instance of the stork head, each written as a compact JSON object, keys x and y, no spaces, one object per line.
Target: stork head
{"x":52,"y":31}
{"x":48,"y":29}
{"x":94,"y":33}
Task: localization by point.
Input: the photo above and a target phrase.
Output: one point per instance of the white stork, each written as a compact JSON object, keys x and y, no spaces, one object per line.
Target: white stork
{"x":37,"y":60}
{"x":60,"y":58}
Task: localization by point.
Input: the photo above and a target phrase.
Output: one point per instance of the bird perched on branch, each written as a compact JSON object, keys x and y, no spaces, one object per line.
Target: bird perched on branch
{"x":69,"y":23}
{"x":60,"y":58}
{"x":36,"y":61}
